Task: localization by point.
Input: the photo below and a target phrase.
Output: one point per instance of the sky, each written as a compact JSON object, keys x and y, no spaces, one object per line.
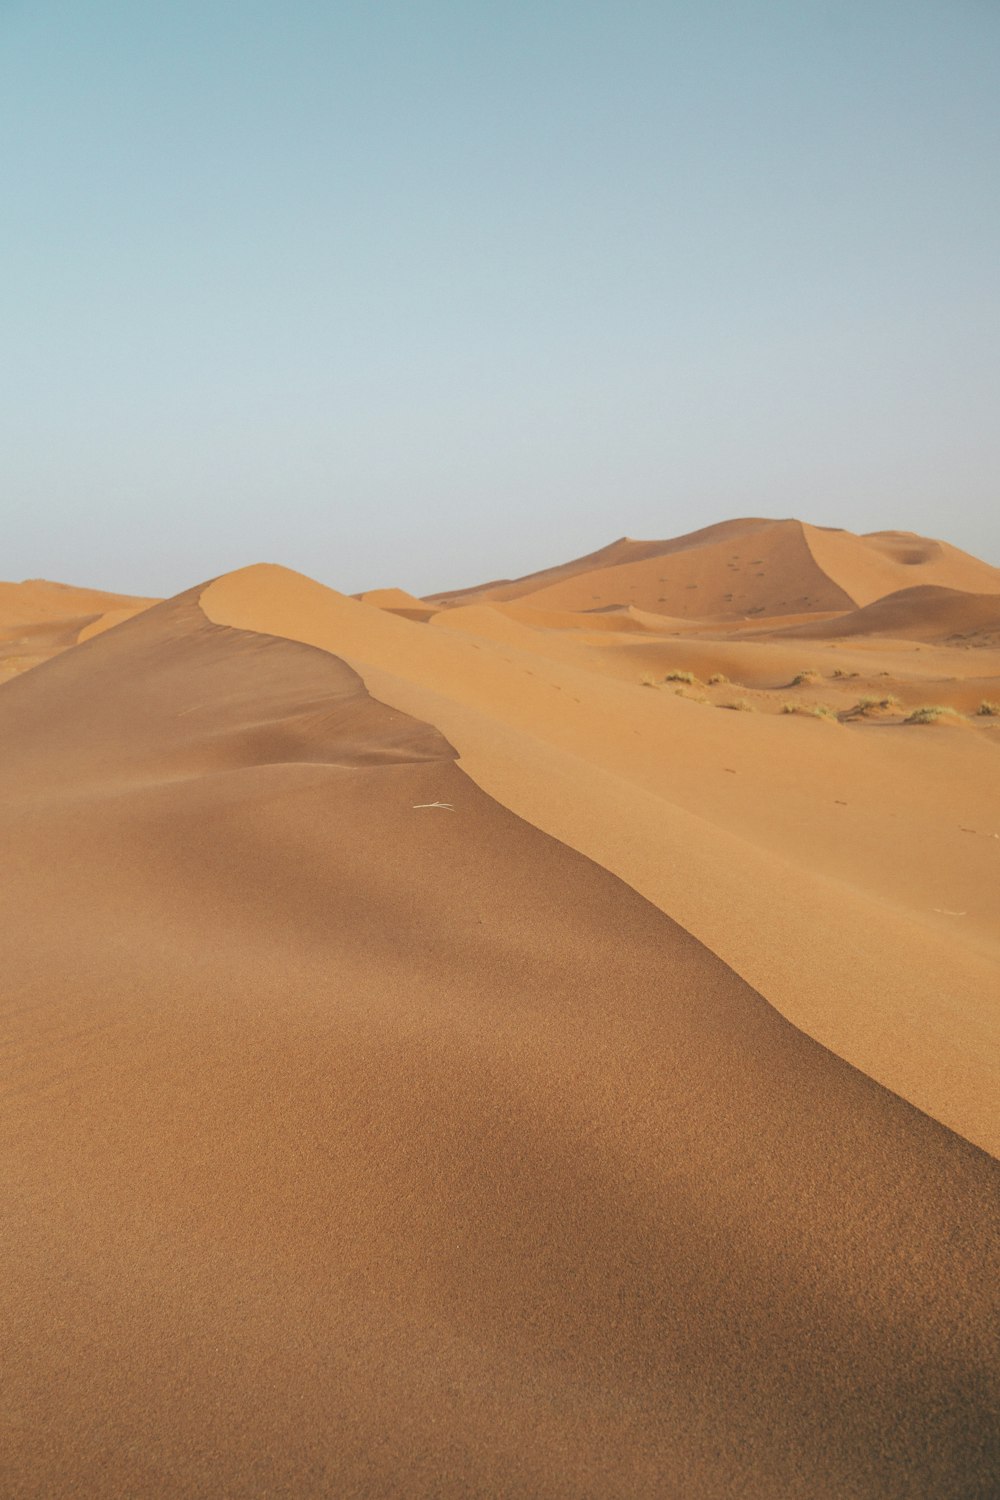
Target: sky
{"x":423,"y":292}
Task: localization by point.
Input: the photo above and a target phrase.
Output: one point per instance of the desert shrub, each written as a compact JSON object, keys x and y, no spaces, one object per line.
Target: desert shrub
{"x":871,"y":704}
{"x":989,"y":710}
{"x":740,"y":706}
{"x":806,"y":677}
{"x":679,"y":677}
{"x":811,"y":711}
{"x":648,"y":680}
{"x":930,"y":713}
{"x":716,"y":678}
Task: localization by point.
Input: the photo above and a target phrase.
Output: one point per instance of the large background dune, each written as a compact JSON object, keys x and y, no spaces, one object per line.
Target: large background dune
{"x":746,"y":567}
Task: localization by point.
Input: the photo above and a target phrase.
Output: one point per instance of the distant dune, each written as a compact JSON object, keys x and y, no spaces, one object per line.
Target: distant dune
{"x":744,"y":568}
{"x":39,"y":619}
{"x":399,"y":602}
{"x":36,"y":599}
{"x":449,"y":1054}
{"x":925,"y":613}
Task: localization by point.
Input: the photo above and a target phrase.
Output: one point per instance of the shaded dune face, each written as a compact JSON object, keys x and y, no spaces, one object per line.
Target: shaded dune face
{"x":364,"y":1147}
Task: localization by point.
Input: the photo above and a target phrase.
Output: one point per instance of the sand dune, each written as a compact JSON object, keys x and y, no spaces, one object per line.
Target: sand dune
{"x":744,"y":569}
{"x":366,"y":1146}
{"x":884,"y":562}
{"x":38,"y":619}
{"x":388,"y":1111}
{"x":735,"y":824}
{"x":731,"y":571}
{"x":399,"y":602}
{"x":925,"y":613}
{"x":37,"y":599}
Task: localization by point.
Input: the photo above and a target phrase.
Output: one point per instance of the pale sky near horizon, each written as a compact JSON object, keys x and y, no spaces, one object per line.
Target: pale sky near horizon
{"x":425,"y":293}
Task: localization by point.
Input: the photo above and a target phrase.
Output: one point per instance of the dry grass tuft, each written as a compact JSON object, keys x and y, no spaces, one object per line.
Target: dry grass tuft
{"x":930,"y":714}
{"x":988,"y":710}
{"x":740,"y":706}
{"x":811,"y":711}
{"x":867,"y":706}
{"x":716,"y":678}
{"x":806,"y":677}
{"x":680,"y":677}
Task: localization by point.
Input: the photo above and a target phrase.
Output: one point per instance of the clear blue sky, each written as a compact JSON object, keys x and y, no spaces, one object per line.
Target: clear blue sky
{"x":421,"y":293}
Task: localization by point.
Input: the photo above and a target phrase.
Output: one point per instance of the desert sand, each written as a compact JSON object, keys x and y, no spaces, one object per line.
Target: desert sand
{"x":456,"y":1047}
{"x":39,"y":619}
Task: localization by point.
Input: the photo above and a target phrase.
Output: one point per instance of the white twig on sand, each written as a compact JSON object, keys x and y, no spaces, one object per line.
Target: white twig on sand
{"x":446,"y":805}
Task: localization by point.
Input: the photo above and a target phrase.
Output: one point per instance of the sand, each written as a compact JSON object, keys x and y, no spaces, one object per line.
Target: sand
{"x":376,"y":1123}
{"x":745,"y":568}
{"x":39,"y":619}
{"x":768,"y":836}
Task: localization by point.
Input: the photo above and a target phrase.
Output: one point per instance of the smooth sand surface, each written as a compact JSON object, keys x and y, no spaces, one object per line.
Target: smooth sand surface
{"x":366,"y":1135}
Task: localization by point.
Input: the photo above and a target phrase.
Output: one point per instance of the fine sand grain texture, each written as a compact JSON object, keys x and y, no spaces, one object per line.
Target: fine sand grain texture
{"x":363,"y":1139}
